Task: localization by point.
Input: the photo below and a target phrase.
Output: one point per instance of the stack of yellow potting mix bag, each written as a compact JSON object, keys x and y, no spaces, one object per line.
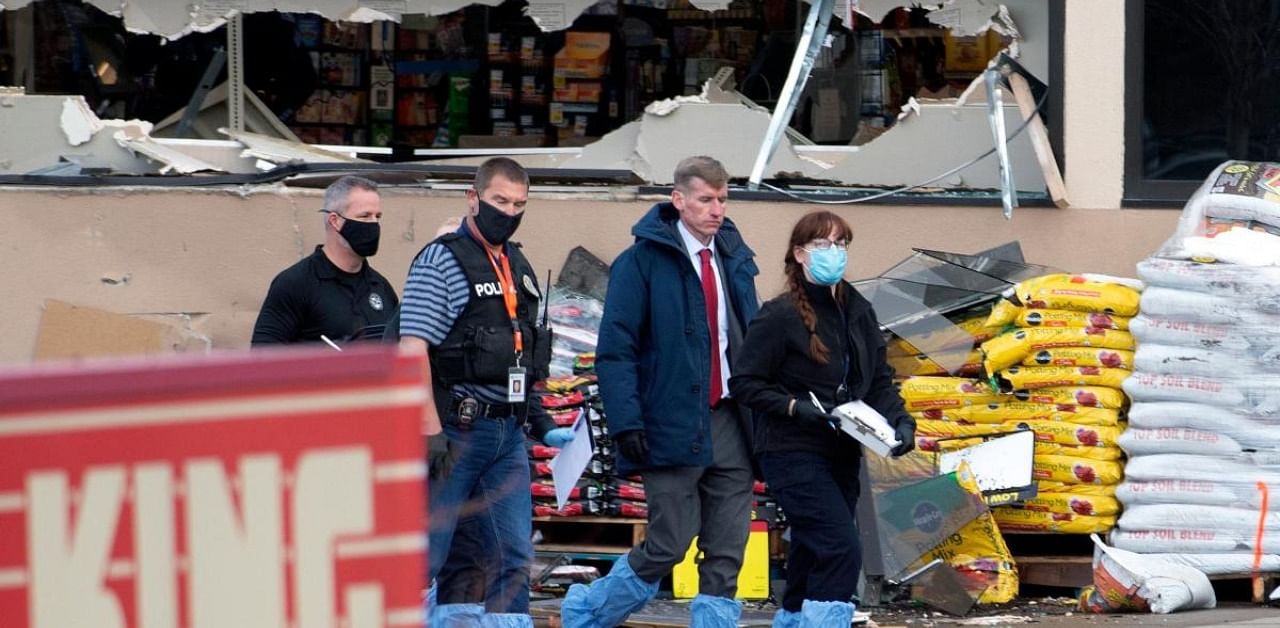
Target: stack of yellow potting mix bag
{"x":1057,"y":368}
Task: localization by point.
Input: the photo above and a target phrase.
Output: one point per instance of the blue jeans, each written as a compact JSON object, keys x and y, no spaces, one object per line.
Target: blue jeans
{"x":490,"y":484}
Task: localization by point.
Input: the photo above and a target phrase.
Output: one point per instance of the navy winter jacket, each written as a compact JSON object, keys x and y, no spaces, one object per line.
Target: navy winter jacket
{"x":653,"y":356}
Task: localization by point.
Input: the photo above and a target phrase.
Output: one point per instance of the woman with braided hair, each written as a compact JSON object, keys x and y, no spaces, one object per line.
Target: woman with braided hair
{"x":819,"y":340}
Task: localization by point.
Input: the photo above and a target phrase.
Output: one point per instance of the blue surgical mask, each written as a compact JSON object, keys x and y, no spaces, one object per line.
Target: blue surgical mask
{"x":826,"y":266}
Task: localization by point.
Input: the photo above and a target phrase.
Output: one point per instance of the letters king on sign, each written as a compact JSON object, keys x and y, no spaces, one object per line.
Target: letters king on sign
{"x":267,"y":490}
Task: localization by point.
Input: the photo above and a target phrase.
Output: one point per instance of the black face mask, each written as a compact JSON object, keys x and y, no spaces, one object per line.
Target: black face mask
{"x":495,"y":226}
{"x":362,"y":236}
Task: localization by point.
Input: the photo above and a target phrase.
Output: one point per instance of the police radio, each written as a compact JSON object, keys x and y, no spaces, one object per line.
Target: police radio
{"x":541,"y":364}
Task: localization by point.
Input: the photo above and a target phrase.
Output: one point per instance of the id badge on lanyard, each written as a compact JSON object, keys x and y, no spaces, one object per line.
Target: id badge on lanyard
{"x":516,"y":384}
{"x":517,"y":376}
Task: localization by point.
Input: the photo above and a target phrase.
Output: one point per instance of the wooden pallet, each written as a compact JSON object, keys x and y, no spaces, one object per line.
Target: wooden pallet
{"x":1259,"y":585}
{"x":605,"y":536}
{"x":1052,"y":560}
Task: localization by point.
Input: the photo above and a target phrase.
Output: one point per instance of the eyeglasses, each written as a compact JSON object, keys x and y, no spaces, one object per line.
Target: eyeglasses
{"x":824,"y":244}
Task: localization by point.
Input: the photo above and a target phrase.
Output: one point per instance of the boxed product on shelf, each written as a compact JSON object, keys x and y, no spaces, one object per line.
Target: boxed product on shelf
{"x":338,"y":68}
{"x":533,"y":90}
{"x":579,"y":92}
{"x":417,"y":108}
{"x":412,"y":39}
{"x":584,"y":55}
{"x":343,"y":107}
{"x":970,"y":54}
{"x":346,"y":35}
{"x":311,"y":110}
{"x":309,"y":29}
{"x":532,"y":56}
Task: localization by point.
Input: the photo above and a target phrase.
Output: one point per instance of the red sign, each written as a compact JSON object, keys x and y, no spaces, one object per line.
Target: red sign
{"x":266,"y":489}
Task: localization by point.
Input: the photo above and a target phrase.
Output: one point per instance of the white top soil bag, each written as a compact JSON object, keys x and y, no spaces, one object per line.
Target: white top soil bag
{"x":1125,"y":581}
{"x":1228,"y":280}
{"x":1164,"y":359}
{"x":1239,"y":200}
{"x":1261,"y":343}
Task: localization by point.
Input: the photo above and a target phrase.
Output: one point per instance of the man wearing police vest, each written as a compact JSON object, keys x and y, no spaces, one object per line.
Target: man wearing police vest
{"x":471,"y":303}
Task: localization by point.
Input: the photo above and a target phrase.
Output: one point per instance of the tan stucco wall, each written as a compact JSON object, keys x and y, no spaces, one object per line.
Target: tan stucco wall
{"x":212,"y":252}
{"x":1093,"y":92}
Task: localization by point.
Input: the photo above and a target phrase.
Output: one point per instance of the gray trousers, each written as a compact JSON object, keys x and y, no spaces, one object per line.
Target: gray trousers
{"x":713,"y":503}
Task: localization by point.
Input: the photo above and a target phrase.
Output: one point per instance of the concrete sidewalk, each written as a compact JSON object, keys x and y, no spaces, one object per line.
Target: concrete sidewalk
{"x":1229,"y":614}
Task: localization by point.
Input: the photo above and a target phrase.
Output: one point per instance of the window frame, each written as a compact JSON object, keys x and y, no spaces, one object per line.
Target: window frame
{"x":1139,"y":191}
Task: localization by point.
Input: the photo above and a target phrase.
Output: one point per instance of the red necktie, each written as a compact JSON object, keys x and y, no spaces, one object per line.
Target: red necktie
{"x":713,"y":323}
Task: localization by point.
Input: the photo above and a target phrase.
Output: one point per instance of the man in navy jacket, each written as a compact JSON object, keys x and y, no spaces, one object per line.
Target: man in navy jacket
{"x":678,"y":305}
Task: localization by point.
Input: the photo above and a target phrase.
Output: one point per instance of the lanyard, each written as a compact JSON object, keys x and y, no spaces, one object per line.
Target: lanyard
{"x":508,"y":285}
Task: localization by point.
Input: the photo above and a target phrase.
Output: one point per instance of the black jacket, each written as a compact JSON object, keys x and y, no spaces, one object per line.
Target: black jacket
{"x":774,"y":367}
{"x":313,"y":298}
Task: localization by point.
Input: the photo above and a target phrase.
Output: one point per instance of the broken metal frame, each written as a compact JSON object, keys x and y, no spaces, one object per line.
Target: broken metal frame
{"x":811,"y":41}
{"x":813,"y":38}
{"x":995,"y":113}
{"x":196,"y":102}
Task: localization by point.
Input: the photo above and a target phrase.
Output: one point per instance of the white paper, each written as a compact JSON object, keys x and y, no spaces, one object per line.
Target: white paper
{"x":568,"y":465}
{"x":549,"y":16}
{"x":867,"y":426}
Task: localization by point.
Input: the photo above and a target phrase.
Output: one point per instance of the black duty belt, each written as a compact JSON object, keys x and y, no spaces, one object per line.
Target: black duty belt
{"x":489,"y":410}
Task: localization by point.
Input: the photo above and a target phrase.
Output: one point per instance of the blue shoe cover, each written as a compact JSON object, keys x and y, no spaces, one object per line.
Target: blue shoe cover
{"x":506,"y":620}
{"x":815,"y":614}
{"x":608,"y":601}
{"x":455,"y":616}
{"x":710,"y":611}
{"x":786,"y":619}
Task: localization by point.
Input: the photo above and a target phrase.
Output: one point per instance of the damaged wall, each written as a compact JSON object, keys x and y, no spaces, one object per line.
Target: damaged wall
{"x":211,"y":253}
{"x":174,"y":18}
{"x":908,"y":153}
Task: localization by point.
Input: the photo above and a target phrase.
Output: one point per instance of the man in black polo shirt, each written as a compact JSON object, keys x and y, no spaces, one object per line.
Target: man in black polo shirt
{"x":333,"y":292}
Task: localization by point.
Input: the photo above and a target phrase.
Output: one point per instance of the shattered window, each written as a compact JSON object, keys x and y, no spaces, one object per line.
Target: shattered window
{"x":1210,"y":85}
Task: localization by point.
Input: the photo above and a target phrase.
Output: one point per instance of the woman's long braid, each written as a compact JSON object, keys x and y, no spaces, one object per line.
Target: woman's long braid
{"x":795,"y":284}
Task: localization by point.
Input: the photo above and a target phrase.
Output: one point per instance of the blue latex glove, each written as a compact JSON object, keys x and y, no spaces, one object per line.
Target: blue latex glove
{"x":558,"y":437}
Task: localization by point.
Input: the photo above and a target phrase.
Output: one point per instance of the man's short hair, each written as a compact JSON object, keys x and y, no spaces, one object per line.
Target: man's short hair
{"x":708,"y":169}
{"x":338,"y":195}
{"x":505,"y":167}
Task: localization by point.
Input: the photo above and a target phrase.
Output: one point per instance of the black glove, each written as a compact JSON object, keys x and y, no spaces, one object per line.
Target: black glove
{"x":806,"y":411}
{"x":439,"y":456}
{"x":633,"y":445}
{"x":906,"y":433}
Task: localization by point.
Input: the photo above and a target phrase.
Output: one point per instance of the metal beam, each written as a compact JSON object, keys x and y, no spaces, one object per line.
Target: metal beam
{"x":995,"y":113}
{"x":811,"y":41}
{"x":235,"y":72}
{"x":211,"y":73}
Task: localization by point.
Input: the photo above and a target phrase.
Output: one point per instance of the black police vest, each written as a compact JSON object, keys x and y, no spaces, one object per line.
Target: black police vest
{"x":480,"y":348}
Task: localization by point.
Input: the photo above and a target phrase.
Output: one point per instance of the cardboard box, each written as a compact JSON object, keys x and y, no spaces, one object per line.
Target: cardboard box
{"x":585,"y":55}
{"x":579,"y":92}
{"x":970,"y":54}
{"x":753,"y":579}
